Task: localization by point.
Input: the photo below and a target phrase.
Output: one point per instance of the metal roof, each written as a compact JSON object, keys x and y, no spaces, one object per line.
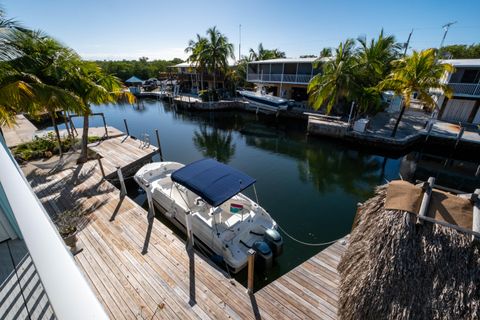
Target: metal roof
{"x":462,"y":62}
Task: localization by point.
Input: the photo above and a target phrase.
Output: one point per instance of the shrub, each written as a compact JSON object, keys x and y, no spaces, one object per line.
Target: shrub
{"x":45,"y":147}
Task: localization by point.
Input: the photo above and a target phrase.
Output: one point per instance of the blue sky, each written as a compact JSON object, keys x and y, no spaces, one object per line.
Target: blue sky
{"x":114,"y":29}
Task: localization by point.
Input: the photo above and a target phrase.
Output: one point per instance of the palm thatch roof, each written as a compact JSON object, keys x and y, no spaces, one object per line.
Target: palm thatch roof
{"x":395,"y":268}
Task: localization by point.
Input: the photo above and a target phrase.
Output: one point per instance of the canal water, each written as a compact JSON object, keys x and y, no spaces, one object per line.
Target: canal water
{"x":310,"y":186}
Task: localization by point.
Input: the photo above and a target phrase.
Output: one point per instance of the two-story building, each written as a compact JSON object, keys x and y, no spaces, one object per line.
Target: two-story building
{"x":287,"y":78}
{"x":464,"y":106}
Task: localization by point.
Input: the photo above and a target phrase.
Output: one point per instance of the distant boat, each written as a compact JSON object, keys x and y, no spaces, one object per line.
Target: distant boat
{"x":264,"y":102}
{"x":224,"y":221}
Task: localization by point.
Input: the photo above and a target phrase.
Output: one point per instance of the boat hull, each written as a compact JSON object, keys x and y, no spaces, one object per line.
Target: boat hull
{"x":221,"y":233}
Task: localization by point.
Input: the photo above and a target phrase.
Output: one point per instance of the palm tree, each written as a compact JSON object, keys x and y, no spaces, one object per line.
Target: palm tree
{"x":336,"y":81}
{"x":29,"y":82}
{"x":195,"y":48}
{"x":93,"y":86}
{"x":264,"y":54}
{"x":374,"y":58}
{"x":216,"y":52}
{"x":419,"y":73}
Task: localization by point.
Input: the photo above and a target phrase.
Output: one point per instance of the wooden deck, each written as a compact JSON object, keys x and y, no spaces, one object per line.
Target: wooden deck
{"x":23,"y":131}
{"x":143,"y":270}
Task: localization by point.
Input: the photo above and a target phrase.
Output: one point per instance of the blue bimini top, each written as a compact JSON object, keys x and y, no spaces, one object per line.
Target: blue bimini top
{"x":215,"y":182}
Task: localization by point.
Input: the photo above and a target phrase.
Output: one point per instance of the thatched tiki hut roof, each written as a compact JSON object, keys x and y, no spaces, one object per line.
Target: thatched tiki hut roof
{"x":397,"y":268}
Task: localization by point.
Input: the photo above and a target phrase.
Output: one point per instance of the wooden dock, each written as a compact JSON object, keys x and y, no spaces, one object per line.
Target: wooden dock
{"x":142,"y":270}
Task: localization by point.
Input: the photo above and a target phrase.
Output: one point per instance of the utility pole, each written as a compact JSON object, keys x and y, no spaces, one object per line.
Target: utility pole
{"x":407,"y":43}
{"x":445,"y":28}
{"x":239,"y":41}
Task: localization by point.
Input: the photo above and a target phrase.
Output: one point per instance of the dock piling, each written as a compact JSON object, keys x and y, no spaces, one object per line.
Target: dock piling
{"x":188,"y":220}
{"x":99,"y":158}
{"x":126,"y":126}
{"x":123,"y":189}
{"x":251,"y":266}
{"x":104,"y":124}
{"x":159,"y":145}
{"x":151,"y":208}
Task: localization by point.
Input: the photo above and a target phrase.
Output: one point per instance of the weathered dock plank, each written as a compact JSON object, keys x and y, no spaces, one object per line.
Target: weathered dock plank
{"x":140,"y":270}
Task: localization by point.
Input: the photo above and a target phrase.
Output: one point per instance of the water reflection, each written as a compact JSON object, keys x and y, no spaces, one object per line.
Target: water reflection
{"x":214,"y":143}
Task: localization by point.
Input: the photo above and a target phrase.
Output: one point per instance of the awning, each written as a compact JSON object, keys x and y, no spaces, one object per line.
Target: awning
{"x":215,"y":182}
{"x":133,"y":80}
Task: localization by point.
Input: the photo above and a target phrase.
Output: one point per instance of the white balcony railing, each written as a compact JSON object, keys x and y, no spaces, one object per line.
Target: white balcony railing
{"x":67,"y":290}
{"x":466,"y":89}
{"x":287,"y":78}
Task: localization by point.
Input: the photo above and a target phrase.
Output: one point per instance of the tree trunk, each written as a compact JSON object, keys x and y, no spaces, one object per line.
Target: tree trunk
{"x":57,"y":133}
{"x":402,"y":110}
{"x":84,"y":153}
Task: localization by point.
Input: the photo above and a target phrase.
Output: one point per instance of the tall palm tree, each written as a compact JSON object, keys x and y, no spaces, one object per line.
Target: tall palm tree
{"x":336,"y":80}
{"x":419,"y":73}
{"x":214,"y":143}
{"x":195,"y":48}
{"x":93,"y":86}
{"x":374,"y":58}
{"x":216,"y":52}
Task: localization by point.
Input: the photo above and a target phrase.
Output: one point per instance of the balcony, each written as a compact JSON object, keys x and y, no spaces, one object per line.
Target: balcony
{"x":280,"y":78}
{"x":465,"y":89}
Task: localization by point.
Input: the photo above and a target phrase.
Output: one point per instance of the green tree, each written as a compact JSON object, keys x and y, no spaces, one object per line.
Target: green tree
{"x":462,"y":51}
{"x":194,"y":49}
{"x":32,"y":81}
{"x":265,"y":54}
{"x":216,"y":52}
{"x":335,"y":82}
{"x":419,"y":73}
{"x":374,"y":60}
{"x":93,"y":86}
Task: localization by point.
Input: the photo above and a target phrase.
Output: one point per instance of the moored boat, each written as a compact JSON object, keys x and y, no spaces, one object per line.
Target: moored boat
{"x":264,"y":102}
{"x":223,"y":220}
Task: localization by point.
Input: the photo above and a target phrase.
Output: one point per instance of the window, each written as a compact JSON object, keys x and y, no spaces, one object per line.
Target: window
{"x":470,"y":76}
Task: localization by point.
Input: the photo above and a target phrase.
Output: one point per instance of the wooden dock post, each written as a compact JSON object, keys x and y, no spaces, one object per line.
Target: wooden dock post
{"x":159,"y":145}
{"x":99,"y":158}
{"x":151,"y":208}
{"x":426,"y":199}
{"x":123,"y":189}
{"x":459,"y":136}
{"x":251,"y":267}
{"x":188,"y":222}
{"x":126,"y":126}
{"x":104,"y":124}
{"x":476,"y":213}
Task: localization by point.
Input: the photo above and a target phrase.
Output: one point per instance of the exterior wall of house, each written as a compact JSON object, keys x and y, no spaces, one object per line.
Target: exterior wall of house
{"x":463,"y":106}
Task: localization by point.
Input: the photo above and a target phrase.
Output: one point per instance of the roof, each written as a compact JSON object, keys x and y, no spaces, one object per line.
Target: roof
{"x":215,"y":182}
{"x":192,"y":65}
{"x":134,"y":80}
{"x":462,"y":62}
{"x":396,"y":268}
{"x":289,"y":60}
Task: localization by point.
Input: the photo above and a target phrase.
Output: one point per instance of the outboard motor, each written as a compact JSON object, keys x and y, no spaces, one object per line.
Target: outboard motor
{"x":274,"y":240}
{"x":264,"y":255}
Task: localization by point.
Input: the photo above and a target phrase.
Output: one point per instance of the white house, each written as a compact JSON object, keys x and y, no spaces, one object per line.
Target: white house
{"x":285,"y":77}
{"x":465,"y":83}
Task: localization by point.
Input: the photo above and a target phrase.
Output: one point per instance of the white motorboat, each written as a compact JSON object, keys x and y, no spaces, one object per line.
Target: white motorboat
{"x":264,"y":102}
{"x":223,"y":220}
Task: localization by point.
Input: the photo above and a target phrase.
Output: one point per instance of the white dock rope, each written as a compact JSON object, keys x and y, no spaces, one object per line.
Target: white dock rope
{"x":308,"y":243}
